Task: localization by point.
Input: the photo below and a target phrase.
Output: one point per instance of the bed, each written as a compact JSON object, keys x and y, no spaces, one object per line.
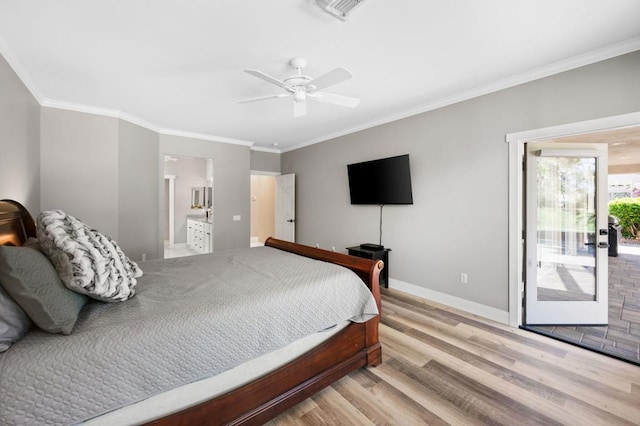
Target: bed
{"x":347,"y":347}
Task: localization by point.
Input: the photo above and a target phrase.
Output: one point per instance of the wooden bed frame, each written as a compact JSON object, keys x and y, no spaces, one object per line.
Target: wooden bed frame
{"x":257,"y":402}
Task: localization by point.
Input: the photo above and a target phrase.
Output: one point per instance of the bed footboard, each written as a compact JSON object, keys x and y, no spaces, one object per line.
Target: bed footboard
{"x":368,"y":270}
{"x":257,"y":402}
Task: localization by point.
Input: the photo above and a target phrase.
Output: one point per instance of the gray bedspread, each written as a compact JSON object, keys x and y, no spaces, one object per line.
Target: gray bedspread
{"x":192,"y":318}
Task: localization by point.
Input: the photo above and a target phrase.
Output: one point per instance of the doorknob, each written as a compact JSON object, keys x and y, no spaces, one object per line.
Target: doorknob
{"x":291,"y":220}
{"x":603,"y":245}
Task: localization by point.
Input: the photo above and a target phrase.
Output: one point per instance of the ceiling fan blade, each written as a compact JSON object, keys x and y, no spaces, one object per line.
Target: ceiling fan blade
{"x":336,"y":76}
{"x":299,"y":108}
{"x":269,"y":79}
{"x":332,"y":98}
{"x":262,"y":98}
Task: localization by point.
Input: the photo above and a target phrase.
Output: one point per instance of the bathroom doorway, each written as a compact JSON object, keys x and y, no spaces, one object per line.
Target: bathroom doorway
{"x":188,"y":198}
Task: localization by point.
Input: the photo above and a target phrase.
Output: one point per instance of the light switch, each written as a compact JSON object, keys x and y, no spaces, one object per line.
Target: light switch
{"x":236,"y":218}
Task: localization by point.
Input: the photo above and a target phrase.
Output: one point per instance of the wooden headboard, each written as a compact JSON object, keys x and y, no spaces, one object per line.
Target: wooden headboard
{"x":16,"y":224}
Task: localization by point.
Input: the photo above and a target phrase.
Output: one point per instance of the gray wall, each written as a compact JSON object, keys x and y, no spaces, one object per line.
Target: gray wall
{"x":110,"y":174}
{"x":265,"y":161}
{"x":79,"y":167}
{"x":19,"y":141}
{"x":103,"y":171}
{"x":459,"y":166}
{"x":230,"y":186}
{"x":138,"y":192}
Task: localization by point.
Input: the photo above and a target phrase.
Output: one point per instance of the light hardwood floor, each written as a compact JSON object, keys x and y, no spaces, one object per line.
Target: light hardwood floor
{"x":443,"y":366}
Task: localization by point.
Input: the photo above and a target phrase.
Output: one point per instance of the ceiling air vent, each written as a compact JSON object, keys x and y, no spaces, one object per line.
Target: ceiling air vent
{"x":338,"y":8}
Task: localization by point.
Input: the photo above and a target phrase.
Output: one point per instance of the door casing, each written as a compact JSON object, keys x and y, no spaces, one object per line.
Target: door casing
{"x":516,"y":142}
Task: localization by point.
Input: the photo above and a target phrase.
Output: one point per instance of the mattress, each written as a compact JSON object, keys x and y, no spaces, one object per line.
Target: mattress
{"x":194,"y":393}
{"x":192,"y":318}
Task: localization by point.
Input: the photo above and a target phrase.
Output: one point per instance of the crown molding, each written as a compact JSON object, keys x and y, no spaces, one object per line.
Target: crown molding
{"x":588,"y":58}
{"x":265,"y":149}
{"x":20,"y":70}
{"x":578,"y":61}
{"x":87,"y":109}
{"x":205,"y":137}
{"x":26,"y":79}
{"x":107,"y":112}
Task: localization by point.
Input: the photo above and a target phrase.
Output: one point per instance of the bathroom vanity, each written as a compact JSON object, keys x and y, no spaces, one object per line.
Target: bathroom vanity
{"x":200,"y":234}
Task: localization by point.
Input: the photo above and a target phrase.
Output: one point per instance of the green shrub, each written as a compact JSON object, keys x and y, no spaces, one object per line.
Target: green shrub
{"x":628,"y":210}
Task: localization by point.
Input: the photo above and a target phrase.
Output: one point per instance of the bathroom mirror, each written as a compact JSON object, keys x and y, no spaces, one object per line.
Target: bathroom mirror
{"x":197,"y":200}
{"x":201,"y":197}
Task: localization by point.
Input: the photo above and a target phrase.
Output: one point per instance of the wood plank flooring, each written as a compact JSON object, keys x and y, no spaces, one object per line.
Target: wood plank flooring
{"x":442,"y":366}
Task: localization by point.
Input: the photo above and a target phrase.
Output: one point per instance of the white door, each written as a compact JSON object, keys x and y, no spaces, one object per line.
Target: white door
{"x":566,"y":234}
{"x":285,"y":216}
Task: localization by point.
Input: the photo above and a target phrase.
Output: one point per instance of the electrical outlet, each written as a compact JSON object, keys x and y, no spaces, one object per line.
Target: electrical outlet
{"x":464,"y":278}
{"x":236,"y":218}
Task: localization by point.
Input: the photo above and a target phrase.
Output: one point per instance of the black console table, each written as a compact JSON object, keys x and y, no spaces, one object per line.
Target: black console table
{"x":369,"y":252}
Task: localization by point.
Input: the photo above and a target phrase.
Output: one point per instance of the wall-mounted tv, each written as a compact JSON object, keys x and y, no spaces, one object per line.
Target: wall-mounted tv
{"x":381,"y":182}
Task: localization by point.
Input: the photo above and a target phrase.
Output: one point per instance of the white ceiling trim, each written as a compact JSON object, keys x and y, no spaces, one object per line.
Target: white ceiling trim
{"x":205,"y":137}
{"x":88,"y":109}
{"x":20,"y":70}
{"x":608,"y":52}
{"x":106,"y":112}
{"x":265,"y":149}
{"x":26,"y":79}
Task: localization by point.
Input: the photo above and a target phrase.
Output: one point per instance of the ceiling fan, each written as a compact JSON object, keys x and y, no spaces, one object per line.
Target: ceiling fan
{"x":302,"y":87}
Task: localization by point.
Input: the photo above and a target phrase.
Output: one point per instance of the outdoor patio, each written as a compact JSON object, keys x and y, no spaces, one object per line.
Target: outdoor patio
{"x":621,"y":338}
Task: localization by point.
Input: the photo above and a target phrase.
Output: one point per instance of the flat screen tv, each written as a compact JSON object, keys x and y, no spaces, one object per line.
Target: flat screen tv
{"x":381,"y":182}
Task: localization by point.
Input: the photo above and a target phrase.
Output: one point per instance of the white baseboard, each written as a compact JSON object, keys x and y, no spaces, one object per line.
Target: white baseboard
{"x":453,"y":301}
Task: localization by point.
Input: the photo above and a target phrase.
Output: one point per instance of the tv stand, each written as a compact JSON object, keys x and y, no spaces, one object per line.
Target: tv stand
{"x":374,"y":252}
{"x":372,"y":247}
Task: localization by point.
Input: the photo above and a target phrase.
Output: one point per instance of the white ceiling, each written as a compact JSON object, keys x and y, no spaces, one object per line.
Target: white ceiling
{"x":176,"y":66}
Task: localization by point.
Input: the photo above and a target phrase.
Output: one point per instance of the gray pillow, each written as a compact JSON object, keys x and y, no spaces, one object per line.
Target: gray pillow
{"x":33,"y":243}
{"x":14,"y":323}
{"x":32,"y":281}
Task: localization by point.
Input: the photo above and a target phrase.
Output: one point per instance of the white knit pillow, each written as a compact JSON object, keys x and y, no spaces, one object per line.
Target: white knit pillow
{"x":87,"y":261}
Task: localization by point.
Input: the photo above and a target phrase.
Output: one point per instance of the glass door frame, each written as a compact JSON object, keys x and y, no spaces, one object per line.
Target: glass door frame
{"x":574,"y":312}
{"x":516,"y":141}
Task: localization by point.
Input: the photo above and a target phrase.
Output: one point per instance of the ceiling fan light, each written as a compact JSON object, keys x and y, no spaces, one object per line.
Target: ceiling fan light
{"x":338,"y":8}
{"x":299,"y":96}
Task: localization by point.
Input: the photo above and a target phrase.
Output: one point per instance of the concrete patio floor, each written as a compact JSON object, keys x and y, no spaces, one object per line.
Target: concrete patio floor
{"x":621,"y":338}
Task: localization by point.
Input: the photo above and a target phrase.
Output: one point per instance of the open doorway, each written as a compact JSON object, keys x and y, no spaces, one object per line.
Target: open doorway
{"x":263,"y":197}
{"x":273,"y":207}
{"x":188,"y":206}
{"x":620,"y":336}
